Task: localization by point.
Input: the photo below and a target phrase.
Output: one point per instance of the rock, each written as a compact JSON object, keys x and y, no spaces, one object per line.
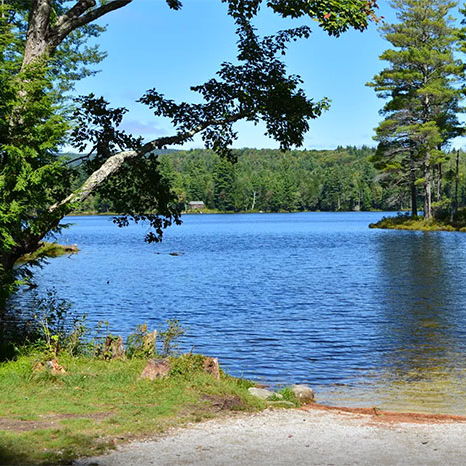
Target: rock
{"x":303,"y":393}
{"x":54,"y":367}
{"x":211,"y":367}
{"x":38,"y":366}
{"x":51,"y":366}
{"x":72,"y":248}
{"x":156,"y":369}
{"x":263,"y":394}
{"x":114,"y":348}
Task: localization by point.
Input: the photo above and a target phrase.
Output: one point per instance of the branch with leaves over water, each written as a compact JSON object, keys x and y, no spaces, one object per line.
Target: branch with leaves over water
{"x":114,"y":163}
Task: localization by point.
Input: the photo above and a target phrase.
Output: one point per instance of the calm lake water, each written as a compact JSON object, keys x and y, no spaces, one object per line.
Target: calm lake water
{"x":366,"y":317}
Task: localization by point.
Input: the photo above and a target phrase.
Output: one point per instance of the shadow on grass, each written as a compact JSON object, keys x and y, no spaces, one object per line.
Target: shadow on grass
{"x":12,"y":452}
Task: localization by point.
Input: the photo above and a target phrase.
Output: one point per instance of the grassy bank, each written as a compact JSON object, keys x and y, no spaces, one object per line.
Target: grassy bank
{"x":96,"y":404}
{"x":49,"y":250}
{"x":403,"y":222}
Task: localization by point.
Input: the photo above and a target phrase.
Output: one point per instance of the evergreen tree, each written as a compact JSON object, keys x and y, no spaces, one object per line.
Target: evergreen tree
{"x":420,"y":84}
{"x":224,"y":185}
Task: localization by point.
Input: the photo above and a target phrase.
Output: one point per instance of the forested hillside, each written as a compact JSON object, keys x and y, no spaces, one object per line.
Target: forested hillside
{"x":271,"y":181}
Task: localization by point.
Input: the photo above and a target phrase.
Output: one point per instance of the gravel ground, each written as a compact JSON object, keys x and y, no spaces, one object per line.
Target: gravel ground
{"x":289,"y":437}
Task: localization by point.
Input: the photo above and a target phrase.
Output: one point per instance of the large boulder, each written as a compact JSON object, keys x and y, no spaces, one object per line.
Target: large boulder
{"x":303,"y":393}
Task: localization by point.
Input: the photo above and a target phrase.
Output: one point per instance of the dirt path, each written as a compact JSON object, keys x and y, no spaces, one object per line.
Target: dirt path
{"x":317,"y":436}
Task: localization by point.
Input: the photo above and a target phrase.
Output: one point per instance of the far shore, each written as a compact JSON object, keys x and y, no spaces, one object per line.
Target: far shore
{"x":228,"y":212}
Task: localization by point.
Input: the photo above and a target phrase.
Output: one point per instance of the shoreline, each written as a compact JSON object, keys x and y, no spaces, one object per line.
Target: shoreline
{"x":242,"y":212}
{"x":97,"y":422}
{"x":309,"y":435}
{"x":389,"y":415}
{"x":406,"y":223}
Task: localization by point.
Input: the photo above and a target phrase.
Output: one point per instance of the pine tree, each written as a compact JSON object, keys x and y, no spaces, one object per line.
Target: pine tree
{"x":420,"y":85}
{"x":224,"y":185}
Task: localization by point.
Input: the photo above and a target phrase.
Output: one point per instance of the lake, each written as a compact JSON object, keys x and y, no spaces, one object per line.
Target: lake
{"x":366,"y":317}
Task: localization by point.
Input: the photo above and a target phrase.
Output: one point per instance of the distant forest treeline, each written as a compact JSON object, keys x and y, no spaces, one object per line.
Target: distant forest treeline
{"x":269,"y":180}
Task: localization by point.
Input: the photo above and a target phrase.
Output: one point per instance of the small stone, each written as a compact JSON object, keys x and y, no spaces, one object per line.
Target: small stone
{"x":54,"y":368}
{"x":262,"y":393}
{"x":211,"y":367}
{"x":72,"y":248}
{"x":156,"y":369}
{"x":51,"y":366}
{"x":303,"y":393}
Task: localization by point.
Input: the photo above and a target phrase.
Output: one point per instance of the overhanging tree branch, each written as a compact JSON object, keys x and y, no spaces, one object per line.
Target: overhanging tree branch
{"x":114,"y":163}
{"x":75,"y":18}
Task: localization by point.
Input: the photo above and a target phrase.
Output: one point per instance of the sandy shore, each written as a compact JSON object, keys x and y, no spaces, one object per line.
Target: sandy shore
{"x":318,"y":436}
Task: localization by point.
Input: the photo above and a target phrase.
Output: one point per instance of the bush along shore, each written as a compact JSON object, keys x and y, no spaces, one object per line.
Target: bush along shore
{"x":65,"y":395}
{"x":418,"y":223}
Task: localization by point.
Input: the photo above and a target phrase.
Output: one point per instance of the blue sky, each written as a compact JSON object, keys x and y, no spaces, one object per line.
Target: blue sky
{"x":151,"y":46}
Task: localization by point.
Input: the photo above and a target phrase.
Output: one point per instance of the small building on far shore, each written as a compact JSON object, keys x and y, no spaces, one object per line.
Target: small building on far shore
{"x":196,"y":205}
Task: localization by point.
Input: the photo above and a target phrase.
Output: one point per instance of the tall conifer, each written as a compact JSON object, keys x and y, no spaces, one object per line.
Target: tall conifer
{"x":422,"y":95}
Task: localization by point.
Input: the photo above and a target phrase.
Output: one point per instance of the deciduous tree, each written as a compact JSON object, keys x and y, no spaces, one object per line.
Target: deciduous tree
{"x":38,"y":39}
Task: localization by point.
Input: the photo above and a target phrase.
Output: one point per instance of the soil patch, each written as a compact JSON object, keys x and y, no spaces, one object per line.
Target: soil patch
{"x":50,"y":421}
{"x":224,"y":402}
{"x":380,"y":416}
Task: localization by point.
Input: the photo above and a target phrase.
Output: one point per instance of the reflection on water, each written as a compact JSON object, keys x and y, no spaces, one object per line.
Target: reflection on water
{"x":423,"y":366}
{"x":367,"y":317}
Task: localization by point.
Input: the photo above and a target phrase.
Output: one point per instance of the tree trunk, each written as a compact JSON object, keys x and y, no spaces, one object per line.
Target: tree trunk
{"x":412,"y":176}
{"x":427,"y":192}
{"x":454,"y":200}
{"x":413,"y":199}
{"x":439,"y":182}
{"x":36,"y":43}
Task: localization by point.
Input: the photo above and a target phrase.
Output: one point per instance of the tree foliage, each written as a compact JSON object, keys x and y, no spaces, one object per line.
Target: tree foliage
{"x":422,"y":92}
{"x":43,"y":51}
{"x":271,"y":181}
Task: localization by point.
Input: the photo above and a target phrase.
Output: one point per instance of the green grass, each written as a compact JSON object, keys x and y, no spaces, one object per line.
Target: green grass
{"x":403,"y":222}
{"x":97,"y":404}
{"x":49,"y":250}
